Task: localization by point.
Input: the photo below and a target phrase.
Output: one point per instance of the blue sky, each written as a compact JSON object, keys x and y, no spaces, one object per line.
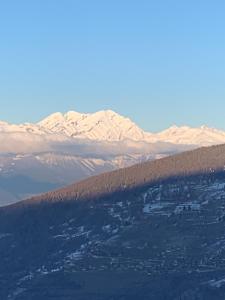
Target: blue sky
{"x":158,"y":62}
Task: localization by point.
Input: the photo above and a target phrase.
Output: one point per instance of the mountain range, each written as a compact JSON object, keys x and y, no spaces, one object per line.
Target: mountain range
{"x":110,"y":126}
{"x":64,"y":148}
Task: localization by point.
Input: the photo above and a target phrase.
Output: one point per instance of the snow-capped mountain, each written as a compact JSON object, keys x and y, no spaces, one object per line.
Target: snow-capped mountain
{"x":64,"y":148}
{"x":111,"y":127}
{"x":202,"y":136}
{"x":102,"y":125}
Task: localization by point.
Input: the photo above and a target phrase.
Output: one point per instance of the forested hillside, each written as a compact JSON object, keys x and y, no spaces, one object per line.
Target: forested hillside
{"x":153,"y":231}
{"x":200,"y":161}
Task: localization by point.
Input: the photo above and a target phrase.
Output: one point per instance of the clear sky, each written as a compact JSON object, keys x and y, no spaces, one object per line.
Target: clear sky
{"x":159,"y":62}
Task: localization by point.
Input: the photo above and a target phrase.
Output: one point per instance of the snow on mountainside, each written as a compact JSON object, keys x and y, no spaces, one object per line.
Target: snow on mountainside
{"x":103,"y":125}
{"x":64,"y":148}
{"x":148,"y":232}
{"x":22,"y":128}
{"x":109,"y":126}
{"x":203,"y":136}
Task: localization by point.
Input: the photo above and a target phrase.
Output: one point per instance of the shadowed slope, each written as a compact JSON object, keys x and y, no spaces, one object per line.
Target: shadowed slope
{"x":199,"y":161}
{"x":153,"y":231}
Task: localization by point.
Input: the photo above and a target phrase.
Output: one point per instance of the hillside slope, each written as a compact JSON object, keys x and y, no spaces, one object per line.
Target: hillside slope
{"x":152,"y":231}
{"x":68,"y":147}
{"x":199,"y":161}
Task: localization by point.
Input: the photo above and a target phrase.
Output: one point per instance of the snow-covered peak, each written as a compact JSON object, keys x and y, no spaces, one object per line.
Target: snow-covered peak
{"x":107,"y":125}
{"x":73,"y":116}
{"x":104,"y":125}
{"x":175,"y":129}
{"x":52,"y":119}
{"x":202,"y":136}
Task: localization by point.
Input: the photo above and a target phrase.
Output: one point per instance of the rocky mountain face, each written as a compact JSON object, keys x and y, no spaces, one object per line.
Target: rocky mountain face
{"x":152,"y":231}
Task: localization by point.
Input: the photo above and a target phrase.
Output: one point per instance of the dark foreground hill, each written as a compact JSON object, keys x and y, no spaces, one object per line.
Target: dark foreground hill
{"x":199,"y":161}
{"x":153,"y":231}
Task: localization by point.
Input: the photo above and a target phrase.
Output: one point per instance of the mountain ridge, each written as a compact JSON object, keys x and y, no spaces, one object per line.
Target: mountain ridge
{"x":206,"y":160}
{"x":136,"y":243}
{"x":68,"y":147}
{"x":102,"y":125}
{"x":107,"y":125}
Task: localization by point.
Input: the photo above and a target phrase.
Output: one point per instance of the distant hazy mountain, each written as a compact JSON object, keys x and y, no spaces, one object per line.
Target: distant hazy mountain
{"x":202,"y":136}
{"x":24,"y":175}
{"x":64,"y":148}
{"x":151,"y":231}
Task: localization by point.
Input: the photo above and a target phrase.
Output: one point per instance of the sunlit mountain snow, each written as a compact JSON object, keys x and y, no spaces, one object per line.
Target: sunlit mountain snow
{"x":110,"y":126}
{"x":64,"y":148}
